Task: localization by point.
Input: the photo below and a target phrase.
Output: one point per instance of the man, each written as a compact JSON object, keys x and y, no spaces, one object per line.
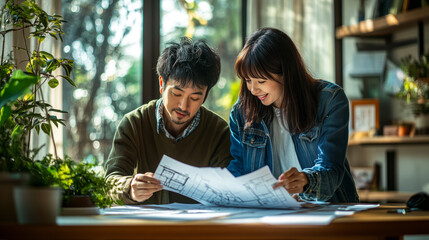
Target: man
{"x":176,"y":125}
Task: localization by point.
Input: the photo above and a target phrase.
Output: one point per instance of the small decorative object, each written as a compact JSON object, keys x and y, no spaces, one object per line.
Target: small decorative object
{"x":365,"y":117}
{"x":364,"y":177}
{"x":415,"y":90}
{"x":406,"y":129}
{"x":390,"y":130}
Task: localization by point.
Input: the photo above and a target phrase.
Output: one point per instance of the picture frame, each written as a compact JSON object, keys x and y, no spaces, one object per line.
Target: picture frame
{"x":365,"y":115}
{"x":364,"y":177}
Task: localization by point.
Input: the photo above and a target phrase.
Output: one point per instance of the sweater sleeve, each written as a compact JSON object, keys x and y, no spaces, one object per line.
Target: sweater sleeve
{"x":221,"y":155}
{"x":120,"y":165}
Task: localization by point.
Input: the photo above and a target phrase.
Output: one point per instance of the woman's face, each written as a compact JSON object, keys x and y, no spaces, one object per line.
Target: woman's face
{"x":268,"y":91}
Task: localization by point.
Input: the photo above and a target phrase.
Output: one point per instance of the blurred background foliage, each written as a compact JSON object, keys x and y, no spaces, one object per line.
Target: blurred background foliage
{"x":105,"y":41}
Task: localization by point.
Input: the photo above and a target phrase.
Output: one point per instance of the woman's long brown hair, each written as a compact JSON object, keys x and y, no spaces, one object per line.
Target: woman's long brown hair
{"x":270,"y":51}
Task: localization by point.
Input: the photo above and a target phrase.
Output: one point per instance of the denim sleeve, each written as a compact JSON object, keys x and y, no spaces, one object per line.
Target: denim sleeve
{"x":328,"y":171}
{"x":236,"y":165}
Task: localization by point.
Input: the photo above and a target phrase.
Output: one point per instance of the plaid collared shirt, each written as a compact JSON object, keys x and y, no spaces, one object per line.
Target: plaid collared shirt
{"x":161,"y":126}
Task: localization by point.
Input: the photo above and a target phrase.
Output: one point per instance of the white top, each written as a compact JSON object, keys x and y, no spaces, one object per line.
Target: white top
{"x":284,"y":154}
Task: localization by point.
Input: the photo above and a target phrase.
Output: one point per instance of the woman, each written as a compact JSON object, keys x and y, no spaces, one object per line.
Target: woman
{"x":293,"y":123}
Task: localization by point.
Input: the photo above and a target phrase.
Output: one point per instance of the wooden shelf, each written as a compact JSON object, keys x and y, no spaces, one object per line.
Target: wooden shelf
{"x":389,"y":140}
{"x":384,"y":25}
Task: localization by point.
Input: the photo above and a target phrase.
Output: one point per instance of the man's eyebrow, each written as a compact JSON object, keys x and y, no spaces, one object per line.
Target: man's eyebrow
{"x":178,"y":88}
{"x":196,"y":93}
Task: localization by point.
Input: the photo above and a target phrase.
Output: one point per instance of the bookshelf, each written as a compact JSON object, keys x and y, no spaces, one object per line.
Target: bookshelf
{"x":381,"y":27}
{"x":385,"y":25}
{"x":388,"y":28}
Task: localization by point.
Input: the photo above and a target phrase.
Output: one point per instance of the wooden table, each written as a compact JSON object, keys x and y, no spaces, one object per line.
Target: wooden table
{"x":371,"y":224}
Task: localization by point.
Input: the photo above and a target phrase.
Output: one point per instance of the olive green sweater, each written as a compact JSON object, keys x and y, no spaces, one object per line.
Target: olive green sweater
{"x":138,"y":148}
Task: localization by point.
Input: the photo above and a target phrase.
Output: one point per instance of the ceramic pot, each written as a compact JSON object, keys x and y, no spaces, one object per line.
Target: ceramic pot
{"x":79,"y":205}
{"x":8,"y":181}
{"x":422,"y":123}
{"x":37,"y":205}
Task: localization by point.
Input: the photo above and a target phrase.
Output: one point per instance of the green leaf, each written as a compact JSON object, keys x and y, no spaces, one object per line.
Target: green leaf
{"x":52,"y":65}
{"x":46,"y":128}
{"x":17,"y":131}
{"x":53,"y":35}
{"x":55,"y":122}
{"x":40,"y":38}
{"x":53,"y":83}
{"x":5,"y":113}
{"x":18,"y":85}
{"x":46,"y":55}
{"x":57,"y":110}
{"x":67,"y":67}
{"x":69,"y":80}
{"x":37,"y":129}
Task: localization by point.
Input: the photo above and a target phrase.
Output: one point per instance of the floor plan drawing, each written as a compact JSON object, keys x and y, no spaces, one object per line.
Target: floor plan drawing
{"x":173,"y":179}
{"x":218,"y":187}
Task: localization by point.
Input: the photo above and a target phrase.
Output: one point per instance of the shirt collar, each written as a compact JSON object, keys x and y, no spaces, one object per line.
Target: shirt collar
{"x":160,"y":126}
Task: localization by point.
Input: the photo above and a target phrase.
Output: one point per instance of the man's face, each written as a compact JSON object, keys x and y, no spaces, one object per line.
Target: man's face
{"x":180,"y":104}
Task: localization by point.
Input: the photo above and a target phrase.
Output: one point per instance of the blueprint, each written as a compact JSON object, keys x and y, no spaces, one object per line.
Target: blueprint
{"x":218,"y":187}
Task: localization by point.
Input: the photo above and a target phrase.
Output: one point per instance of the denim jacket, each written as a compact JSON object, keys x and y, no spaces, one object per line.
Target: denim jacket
{"x":321,"y":151}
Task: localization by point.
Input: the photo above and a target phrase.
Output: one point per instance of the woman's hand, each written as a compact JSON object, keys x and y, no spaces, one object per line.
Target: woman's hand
{"x":292,"y":180}
{"x":143,"y":186}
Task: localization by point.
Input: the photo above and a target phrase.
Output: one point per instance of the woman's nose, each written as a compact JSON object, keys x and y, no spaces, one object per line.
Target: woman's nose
{"x":253,"y":88}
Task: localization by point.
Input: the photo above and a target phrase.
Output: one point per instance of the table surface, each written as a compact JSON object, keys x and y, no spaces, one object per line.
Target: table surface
{"x":377,"y":223}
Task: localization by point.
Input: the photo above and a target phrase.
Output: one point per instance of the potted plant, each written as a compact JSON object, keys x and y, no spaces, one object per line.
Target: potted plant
{"x":23,"y":109}
{"x":84,"y":187}
{"x":24,"y":112}
{"x":415,"y":89}
{"x":40,"y":200}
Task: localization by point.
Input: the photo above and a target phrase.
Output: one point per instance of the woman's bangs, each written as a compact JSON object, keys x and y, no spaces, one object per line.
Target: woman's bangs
{"x":250,"y":67}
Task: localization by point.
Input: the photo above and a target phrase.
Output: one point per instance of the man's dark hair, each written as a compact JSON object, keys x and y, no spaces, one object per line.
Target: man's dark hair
{"x":189,"y":62}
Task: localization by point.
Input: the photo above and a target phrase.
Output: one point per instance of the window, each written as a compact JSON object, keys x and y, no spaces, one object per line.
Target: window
{"x":219,"y":23}
{"x":104,"y":39}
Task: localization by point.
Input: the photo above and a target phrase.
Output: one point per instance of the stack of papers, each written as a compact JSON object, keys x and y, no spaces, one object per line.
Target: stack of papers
{"x":227,"y":199}
{"x":218,"y":187}
{"x":179,"y":212}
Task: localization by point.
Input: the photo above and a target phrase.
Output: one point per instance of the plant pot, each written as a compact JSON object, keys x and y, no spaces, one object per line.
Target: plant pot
{"x":8,"y":181}
{"x":37,"y":205}
{"x":79,"y":205}
{"x":422,"y":124}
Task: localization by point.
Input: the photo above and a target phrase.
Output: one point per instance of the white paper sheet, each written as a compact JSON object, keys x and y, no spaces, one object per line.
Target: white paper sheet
{"x":215,"y":186}
{"x":322,"y":215}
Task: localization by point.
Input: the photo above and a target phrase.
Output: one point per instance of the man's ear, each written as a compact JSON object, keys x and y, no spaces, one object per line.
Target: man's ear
{"x":161,"y":82}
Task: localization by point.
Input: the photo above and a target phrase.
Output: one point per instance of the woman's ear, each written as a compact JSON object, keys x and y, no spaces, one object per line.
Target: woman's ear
{"x":161,"y":82}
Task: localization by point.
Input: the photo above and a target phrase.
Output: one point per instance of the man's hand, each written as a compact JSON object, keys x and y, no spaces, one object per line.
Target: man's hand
{"x":143,"y":186}
{"x":292,"y":180}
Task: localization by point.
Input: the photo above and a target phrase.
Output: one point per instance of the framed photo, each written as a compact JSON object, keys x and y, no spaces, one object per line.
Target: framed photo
{"x":363,"y":176}
{"x":365,"y":115}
